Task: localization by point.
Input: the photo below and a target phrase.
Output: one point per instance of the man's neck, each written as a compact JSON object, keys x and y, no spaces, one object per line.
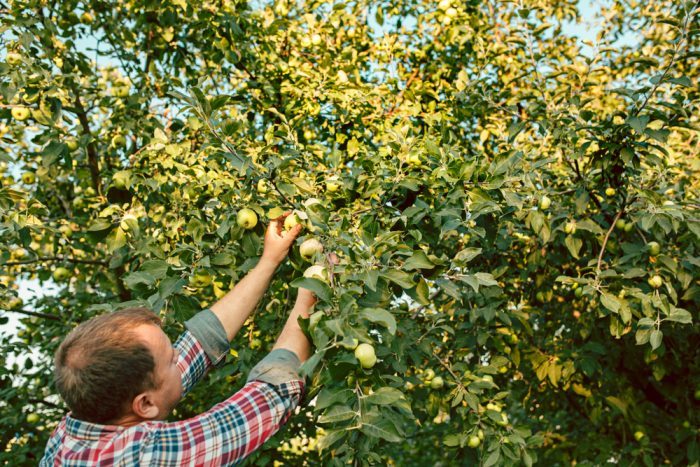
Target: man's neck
{"x":128,"y":420}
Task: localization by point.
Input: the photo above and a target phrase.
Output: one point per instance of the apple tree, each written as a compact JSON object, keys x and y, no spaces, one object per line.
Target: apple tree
{"x":501,"y":218}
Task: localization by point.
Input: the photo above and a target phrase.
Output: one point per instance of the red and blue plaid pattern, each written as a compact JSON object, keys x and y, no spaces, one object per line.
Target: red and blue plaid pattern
{"x":223,"y":435}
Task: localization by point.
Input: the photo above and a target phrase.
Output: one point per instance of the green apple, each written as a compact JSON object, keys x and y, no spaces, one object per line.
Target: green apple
{"x":309,"y":135}
{"x":290,"y":221}
{"x":317,"y":271}
{"x":697,"y":394}
{"x":414,"y":160}
{"x":121,"y":179}
{"x":66,"y":230}
{"x":480,"y":434}
{"x":200,"y":279}
{"x":13,"y":58}
{"x":310,"y":248}
{"x":655,"y":281}
{"x":494,"y":407}
{"x":504,"y":419}
{"x":578,"y":293}
{"x":545,"y":203}
{"x":350,"y":344}
{"x":262,"y":186}
{"x":28,"y":178}
{"x":473,"y":442}
{"x":72,"y":144}
{"x":610,"y":191}
{"x":444,"y":4}
{"x":20,"y":113}
{"x":86,"y":18}
{"x":638,"y":435}
{"x":33,"y":418}
{"x":654,"y":248}
{"x":437,"y":383}
{"x":451,"y":12}
{"x":332,"y":184}
{"x":60,"y":274}
{"x":15,"y":303}
{"x":305,"y":41}
{"x":628,"y":227}
{"x":316,"y":39}
{"x":118,"y":141}
{"x":121,"y":91}
{"x":365,"y":354}
{"x":620,"y":224}
{"x":247,"y":218}
{"x":20,"y":253}
{"x":570,"y":227}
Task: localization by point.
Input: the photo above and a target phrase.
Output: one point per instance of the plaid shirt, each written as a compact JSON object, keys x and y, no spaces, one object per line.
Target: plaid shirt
{"x":223,"y":435}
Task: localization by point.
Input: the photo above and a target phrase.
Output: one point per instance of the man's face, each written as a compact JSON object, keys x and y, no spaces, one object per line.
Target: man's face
{"x":167,"y":375}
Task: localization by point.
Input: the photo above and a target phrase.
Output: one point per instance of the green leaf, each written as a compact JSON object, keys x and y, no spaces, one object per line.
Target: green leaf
{"x":680,"y":315}
{"x":337,"y":413}
{"x":655,"y":339}
{"x":318,"y":287}
{"x":485,"y":279}
{"x":383,"y":317}
{"x":384,"y":396}
{"x":574,"y":245}
{"x":638,"y":123}
{"x":467,"y":254}
{"x":157,"y":268}
{"x":399,"y":278}
{"x":381,"y":429}
{"x":493,"y":458}
{"x":610,"y":302}
{"x":418,"y":260}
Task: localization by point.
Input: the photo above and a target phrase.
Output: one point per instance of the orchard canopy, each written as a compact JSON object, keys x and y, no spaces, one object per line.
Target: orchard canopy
{"x":514,"y":211}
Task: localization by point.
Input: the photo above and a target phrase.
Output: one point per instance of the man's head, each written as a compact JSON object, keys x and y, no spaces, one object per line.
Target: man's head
{"x":118,"y":365}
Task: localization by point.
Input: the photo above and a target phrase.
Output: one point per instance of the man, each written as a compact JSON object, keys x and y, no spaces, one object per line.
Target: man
{"x":120,"y":376}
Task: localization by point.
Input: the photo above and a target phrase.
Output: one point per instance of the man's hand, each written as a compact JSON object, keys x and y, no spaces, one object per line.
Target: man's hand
{"x":278,"y":241}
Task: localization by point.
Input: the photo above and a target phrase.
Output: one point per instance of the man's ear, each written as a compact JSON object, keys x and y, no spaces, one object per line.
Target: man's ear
{"x":144,"y":406}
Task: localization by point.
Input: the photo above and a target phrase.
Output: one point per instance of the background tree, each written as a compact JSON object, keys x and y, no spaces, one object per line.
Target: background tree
{"x":515,"y":214}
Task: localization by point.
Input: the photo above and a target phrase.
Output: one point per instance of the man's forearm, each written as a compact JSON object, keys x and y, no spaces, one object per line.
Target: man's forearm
{"x":237,"y":305}
{"x":292,"y":337}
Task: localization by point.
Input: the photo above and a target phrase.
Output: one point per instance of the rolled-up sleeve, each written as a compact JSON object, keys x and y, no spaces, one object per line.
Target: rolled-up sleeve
{"x":278,"y":367}
{"x":210,"y":333}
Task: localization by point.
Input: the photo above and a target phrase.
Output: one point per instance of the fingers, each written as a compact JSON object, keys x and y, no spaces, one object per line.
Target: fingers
{"x":291,"y":234}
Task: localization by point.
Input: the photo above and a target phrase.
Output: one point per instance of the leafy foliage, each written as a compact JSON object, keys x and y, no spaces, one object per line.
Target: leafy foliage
{"x":513,"y":212}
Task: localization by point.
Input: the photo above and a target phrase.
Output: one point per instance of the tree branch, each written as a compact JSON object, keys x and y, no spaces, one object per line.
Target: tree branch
{"x":57,"y":258}
{"x":38,"y":314}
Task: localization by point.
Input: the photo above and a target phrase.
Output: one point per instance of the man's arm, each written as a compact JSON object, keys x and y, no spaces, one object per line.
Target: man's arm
{"x":292,"y":337}
{"x":235,"y":428}
{"x":235,"y":307}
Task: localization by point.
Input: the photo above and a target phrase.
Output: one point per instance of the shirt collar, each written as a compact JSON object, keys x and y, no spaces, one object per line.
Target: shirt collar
{"x":87,"y":430}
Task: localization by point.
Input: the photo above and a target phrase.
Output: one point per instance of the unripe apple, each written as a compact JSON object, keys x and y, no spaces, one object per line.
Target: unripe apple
{"x":316,"y":39}
{"x":638,"y":435}
{"x":309,"y":248}
{"x":66,"y":230}
{"x":437,"y":383}
{"x":118,"y":141}
{"x":317,"y":271}
{"x":121,"y":91}
{"x":262,"y":186}
{"x":332,"y":184}
{"x":290,"y":221}
{"x":414,"y":160}
{"x":480,"y":434}
{"x":86,"y":18}
{"x":628,"y":227}
{"x":247,"y":218}
{"x":20,"y":113}
{"x":570,"y":227}
{"x":451,"y":12}
{"x":60,"y":274}
{"x":305,"y":41}
{"x":72,"y":144}
{"x":13,"y":58}
{"x":473,"y":442}
{"x":33,"y":418}
{"x":654,"y":248}
{"x":444,"y":4}
{"x":365,"y":354}
{"x":545,"y":202}
{"x":655,"y":281}
{"x":620,"y":224}
{"x":20,"y":253}
{"x":200,"y":279}
{"x":610,"y":191}
{"x":28,"y":178}
{"x":428,"y":374}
